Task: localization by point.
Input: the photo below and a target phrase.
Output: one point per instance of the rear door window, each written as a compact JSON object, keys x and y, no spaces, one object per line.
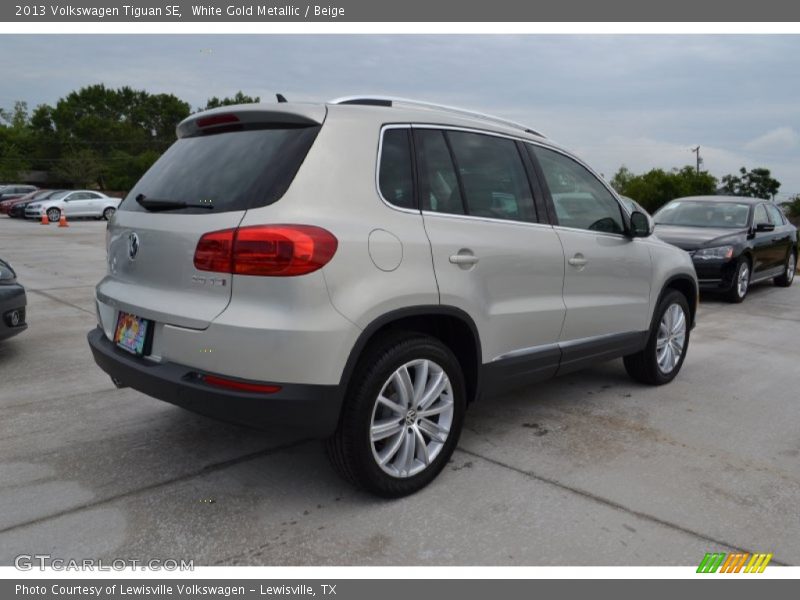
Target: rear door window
{"x":438,"y":182}
{"x":493,"y":178}
{"x":231,"y":171}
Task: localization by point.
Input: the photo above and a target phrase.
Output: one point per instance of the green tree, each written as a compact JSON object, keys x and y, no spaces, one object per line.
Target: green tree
{"x":98,"y":123}
{"x":238,"y":98}
{"x":15,"y":142}
{"x":657,"y":187}
{"x":793,"y":207}
{"x":756,"y":183}
{"x":12,"y":162}
{"x":81,"y":168}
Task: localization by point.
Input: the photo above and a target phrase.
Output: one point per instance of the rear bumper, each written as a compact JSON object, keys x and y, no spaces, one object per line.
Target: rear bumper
{"x":312,"y":409}
{"x":12,"y":299}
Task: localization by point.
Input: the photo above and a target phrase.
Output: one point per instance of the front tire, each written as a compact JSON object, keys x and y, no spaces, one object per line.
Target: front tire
{"x":663,"y":356}
{"x":402,"y":418}
{"x":787,"y":278}
{"x":741,"y":282}
{"x":108,"y":213}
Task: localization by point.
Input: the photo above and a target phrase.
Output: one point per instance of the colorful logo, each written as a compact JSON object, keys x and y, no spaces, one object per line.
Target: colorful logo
{"x":734,"y":563}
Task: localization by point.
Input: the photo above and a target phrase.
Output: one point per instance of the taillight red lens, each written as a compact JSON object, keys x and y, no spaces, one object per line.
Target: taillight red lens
{"x":214,"y":251}
{"x":242,"y":386}
{"x":266,"y":250}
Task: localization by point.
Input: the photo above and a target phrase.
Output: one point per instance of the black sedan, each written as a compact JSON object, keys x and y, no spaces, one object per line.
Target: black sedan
{"x":733,"y":241}
{"x":12,"y":303}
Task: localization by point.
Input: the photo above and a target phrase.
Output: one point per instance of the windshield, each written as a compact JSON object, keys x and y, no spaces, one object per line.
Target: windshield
{"x":229,"y":171}
{"x":687,"y":213}
{"x":58,"y":195}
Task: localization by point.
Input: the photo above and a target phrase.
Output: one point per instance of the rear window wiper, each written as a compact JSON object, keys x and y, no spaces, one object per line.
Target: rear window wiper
{"x":157,"y":204}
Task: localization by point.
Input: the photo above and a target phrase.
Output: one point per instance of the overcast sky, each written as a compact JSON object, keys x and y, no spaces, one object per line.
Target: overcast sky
{"x":641,"y":101}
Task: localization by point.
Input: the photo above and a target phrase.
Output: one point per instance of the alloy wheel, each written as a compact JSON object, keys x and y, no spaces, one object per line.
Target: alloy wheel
{"x":743,"y":280}
{"x":411,"y":419}
{"x":671,"y":338}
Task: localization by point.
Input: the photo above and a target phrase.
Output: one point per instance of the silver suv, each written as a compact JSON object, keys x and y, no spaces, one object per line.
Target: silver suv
{"x":367,"y":268}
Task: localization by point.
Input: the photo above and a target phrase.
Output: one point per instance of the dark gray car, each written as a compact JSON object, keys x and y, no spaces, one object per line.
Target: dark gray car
{"x":12,"y":303}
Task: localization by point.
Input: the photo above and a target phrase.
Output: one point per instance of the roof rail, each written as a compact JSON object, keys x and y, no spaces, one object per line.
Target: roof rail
{"x":390,"y":101}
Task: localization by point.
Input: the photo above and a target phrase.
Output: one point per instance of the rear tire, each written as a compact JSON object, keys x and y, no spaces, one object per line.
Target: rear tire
{"x":402,"y":418}
{"x":787,"y":278}
{"x":108,"y":213}
{"x":741,"y":282}
{"x":663,"y":356}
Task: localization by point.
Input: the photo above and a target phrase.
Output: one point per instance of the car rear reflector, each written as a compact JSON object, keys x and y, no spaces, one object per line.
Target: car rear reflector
{"x":266,"y":250}
{"x":217,"y":120}
{"x":242,"y":386}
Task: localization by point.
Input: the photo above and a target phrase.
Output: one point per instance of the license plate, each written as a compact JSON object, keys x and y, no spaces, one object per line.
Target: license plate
{"x":131,"y":333}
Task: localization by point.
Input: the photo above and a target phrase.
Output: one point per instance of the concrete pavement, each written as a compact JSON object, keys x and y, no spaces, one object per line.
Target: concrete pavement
{"x":587,"y":469}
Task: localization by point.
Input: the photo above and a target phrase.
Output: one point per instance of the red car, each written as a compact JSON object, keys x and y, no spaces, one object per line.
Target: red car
{"x":7,"y":205}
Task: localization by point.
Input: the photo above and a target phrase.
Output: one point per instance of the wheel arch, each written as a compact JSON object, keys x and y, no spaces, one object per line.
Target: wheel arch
{"x":451,"y":325}
{"x":687,"y":286}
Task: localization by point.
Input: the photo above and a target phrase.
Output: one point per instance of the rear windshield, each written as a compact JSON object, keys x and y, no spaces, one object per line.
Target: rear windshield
{"x":703,"y":214}
{"x":232,"y":171}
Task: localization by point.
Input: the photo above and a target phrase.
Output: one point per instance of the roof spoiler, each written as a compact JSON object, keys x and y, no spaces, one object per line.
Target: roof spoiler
{"x":251,"y":115}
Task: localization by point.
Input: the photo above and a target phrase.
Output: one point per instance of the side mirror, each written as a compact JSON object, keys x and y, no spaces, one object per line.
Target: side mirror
{"x":764,"y":227}
{"x":640,"y":224}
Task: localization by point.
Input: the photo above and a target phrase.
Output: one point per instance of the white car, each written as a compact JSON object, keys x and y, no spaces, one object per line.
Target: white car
{"x":74,"y":203}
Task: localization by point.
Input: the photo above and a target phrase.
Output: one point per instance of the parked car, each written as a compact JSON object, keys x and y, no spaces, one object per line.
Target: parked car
{"x":733,"y":241}
{"x":8,"y":192}
{"x":74,"y":203}
{"x":12,"y":303}
{"x":7,"y":205}
{"x":260,"y":274}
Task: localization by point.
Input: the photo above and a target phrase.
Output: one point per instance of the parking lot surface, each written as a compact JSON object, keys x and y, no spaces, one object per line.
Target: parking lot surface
{"x":586,"y":469}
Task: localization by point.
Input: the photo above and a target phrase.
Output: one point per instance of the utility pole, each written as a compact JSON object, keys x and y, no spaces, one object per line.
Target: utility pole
{"x":699,"y":160}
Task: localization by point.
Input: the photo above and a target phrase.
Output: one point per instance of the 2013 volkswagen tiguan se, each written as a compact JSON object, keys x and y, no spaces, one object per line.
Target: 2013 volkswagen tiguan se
{"x":364,"y":269}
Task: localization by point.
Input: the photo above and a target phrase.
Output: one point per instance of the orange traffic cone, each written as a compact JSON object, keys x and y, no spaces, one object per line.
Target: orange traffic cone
{"x":62,"y":222}
{"x":45,"y":220}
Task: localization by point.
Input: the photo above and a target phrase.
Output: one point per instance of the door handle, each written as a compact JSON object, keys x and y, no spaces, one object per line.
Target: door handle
{"x":578,"y":260}
{"x":463,"y":259}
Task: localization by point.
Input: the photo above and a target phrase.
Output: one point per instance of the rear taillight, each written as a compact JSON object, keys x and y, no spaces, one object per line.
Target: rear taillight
{"x":214,"y":251}
{"x":266,"y":250}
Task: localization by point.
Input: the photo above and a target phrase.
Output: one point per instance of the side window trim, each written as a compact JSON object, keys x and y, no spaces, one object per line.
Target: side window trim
{"x":540,"y":213}
{"x":457,"y":171}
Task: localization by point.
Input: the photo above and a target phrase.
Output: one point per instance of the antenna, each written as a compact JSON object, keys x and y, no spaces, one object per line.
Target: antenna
{"x":281,"y":98}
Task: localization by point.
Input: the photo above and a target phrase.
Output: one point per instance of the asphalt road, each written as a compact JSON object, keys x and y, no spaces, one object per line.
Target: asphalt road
{"x":587,"y":469}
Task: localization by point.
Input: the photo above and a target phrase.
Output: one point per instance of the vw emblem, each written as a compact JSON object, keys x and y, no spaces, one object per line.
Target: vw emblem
{"x":133,"y":245}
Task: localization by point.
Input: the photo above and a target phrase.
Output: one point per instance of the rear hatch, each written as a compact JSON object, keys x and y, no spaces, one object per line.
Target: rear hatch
{"x":225,"y":162}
